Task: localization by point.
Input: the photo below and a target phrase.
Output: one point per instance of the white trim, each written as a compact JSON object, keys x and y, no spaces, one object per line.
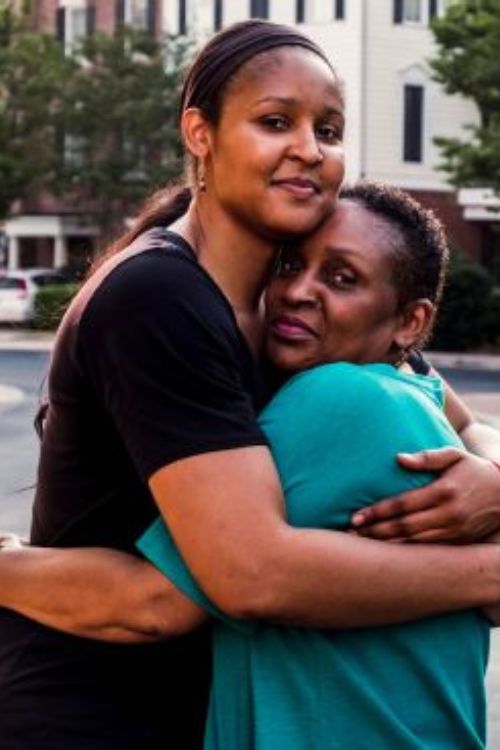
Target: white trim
{"x":479,"y":204}
{"x":48,"y":226}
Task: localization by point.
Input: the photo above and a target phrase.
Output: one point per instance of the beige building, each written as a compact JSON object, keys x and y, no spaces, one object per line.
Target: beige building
{"x":381,"y":50}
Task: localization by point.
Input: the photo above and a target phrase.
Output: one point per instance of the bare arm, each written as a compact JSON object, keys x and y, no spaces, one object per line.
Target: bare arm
{"x":462,"y":505}
{"x":94,"y":593}
{"x":231,"y":531}
{"x":258,"y":567}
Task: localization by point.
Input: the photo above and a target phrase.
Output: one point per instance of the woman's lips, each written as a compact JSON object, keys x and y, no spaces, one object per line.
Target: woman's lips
{"x":290,"y":327}
{"x":299,"y":188}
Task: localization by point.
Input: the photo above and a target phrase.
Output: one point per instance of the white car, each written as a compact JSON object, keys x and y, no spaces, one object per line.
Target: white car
{"x":18,"y":291}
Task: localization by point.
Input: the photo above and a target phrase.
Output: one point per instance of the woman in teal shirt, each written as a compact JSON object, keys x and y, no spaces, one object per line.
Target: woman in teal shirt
{"x":344,"y":310}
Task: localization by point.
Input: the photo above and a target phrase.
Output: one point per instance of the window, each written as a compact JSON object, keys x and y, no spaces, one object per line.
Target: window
{"x":218,"y":14}
{"x":407,"y":11}
{"x":259,"y":8}
{"x":139,"y":14}
{"x":412,"y":11}
{"x":433,"y":9}
{"x":339,"y":10}
{"x":183,"y":17}
{"x":319,"y":11}
{"x":74,"y":23}
{"x":413,"y":123}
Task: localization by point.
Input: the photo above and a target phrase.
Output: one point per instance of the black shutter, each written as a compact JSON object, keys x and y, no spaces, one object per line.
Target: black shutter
{"x":339,"y":10}
{"x":90,"y":22}
{"x":61,"y":25}
{"x":259,"y":8}
{"x":398,"y":11}
{"x":119,"y":13}
{"x":433,"y":9}
{"x":218,"y":14}
{"x":182,"y":17}
{"x":300,"y":11}
{"x":413,"y":123}
{"x":151,"y":20}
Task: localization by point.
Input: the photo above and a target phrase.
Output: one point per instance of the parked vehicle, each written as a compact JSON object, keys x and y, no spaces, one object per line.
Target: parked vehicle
{"x":18,"y":290}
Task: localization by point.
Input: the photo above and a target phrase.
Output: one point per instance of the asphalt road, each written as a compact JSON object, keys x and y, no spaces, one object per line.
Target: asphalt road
{"x":19,"y":448}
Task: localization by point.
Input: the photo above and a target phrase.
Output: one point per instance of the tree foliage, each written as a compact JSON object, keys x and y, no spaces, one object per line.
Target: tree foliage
{"x":468,"y":63}
{"x":120,"y":137}
{"x":31,"y":99}
{"x":96,"y":124}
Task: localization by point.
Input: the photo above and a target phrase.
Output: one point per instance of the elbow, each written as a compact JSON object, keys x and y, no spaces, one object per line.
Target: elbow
{"x":254,"y":592}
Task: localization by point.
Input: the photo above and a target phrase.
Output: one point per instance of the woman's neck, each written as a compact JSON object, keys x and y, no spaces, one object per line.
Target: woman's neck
{"x":239,"y":261}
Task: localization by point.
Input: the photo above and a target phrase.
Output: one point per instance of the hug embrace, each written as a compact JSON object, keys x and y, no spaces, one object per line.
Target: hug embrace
{"x":218,"y":553}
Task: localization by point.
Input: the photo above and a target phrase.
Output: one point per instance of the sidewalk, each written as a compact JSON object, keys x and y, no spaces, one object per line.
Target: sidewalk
{"x":20,"y":339}
{"x":485,"y":405}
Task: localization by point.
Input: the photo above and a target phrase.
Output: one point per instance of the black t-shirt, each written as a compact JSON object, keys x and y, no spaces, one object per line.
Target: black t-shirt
{"x":149,"y":367}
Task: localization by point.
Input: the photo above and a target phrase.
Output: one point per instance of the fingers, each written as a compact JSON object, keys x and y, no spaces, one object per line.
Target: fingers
{"x":410,"y":502}
{"x":431,"y":460}
{"x":429,"y":523}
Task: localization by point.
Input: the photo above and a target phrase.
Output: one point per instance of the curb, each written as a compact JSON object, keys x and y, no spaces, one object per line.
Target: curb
{"x":464,"y":361}
{"x":13,"y":342}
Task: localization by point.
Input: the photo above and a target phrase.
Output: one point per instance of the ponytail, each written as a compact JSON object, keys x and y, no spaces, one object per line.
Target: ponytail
{"x":161,"y":209}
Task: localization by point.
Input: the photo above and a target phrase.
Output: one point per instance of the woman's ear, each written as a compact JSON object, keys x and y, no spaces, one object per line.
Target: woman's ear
{"x":416,"y":321}
{"x":196,"y":133}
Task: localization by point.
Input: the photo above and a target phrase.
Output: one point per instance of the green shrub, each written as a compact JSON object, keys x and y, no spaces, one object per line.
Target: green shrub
{"x":465,"y":318}
{"x":492,"y":326}
{"x":51,"y":303}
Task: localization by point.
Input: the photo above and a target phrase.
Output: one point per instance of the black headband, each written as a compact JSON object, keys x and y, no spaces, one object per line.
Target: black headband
{"x":230,"y":49}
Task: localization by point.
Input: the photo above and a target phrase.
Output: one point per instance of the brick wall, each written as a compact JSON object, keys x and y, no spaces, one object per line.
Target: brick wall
{"x":467,"y":236}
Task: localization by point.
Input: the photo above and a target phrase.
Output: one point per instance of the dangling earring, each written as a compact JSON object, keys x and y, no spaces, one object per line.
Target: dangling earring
{"x":202,"y":183}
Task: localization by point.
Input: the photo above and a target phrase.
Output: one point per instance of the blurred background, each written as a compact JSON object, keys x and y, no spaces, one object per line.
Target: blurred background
{"x":88,"y":128}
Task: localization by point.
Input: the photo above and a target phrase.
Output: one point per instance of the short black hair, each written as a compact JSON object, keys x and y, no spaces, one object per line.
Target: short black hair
{"x":417,"y":240}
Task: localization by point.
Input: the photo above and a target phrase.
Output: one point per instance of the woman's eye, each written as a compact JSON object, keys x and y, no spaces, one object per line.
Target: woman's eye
{"x":287,"y":266}
{"x":329,"y":133}
{"x":275,"y":122}
{"x":341,"y":279}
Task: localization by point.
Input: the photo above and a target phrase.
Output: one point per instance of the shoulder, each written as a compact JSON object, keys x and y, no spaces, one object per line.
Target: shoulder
{"x":152,"y":286}
{"x":352,"y":392}
{"x":334,"y":384}
{"x":153,"y":269}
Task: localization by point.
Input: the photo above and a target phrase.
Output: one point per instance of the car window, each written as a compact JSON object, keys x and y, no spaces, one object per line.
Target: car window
{"x":6,"y":283}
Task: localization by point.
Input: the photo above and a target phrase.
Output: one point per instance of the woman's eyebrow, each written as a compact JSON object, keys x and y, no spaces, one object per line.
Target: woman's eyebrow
{"x":291,"y":101}
{"x":287,"y":100}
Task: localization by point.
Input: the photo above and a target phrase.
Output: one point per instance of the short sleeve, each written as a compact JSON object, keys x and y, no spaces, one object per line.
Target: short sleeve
{"x":165,"y":359}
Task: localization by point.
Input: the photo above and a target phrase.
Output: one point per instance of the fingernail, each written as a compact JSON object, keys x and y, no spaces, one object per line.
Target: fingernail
{"x":358,"y":519}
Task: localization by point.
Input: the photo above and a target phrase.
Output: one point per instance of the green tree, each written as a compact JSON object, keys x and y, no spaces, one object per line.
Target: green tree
{"x":468,"y":63}
{"x":95,"y":124}
{"x":31,"y":99}
{"x":120,"y":138}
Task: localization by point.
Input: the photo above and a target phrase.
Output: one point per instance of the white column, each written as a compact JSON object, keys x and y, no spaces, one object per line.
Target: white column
{"x":13,"y":261}
{"x":60,"y":251}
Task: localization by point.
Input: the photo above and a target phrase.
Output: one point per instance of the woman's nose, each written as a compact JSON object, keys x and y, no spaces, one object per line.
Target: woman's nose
{"x":301,"y":290}
{"x":305,"y":145}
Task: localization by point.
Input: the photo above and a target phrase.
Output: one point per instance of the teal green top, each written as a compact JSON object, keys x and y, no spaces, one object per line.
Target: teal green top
{"x":334,"y":432}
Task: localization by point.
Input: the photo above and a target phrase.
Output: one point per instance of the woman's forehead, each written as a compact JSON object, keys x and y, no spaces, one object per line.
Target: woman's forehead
{"x":283,"y":70}
{"x":351,"y":228}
